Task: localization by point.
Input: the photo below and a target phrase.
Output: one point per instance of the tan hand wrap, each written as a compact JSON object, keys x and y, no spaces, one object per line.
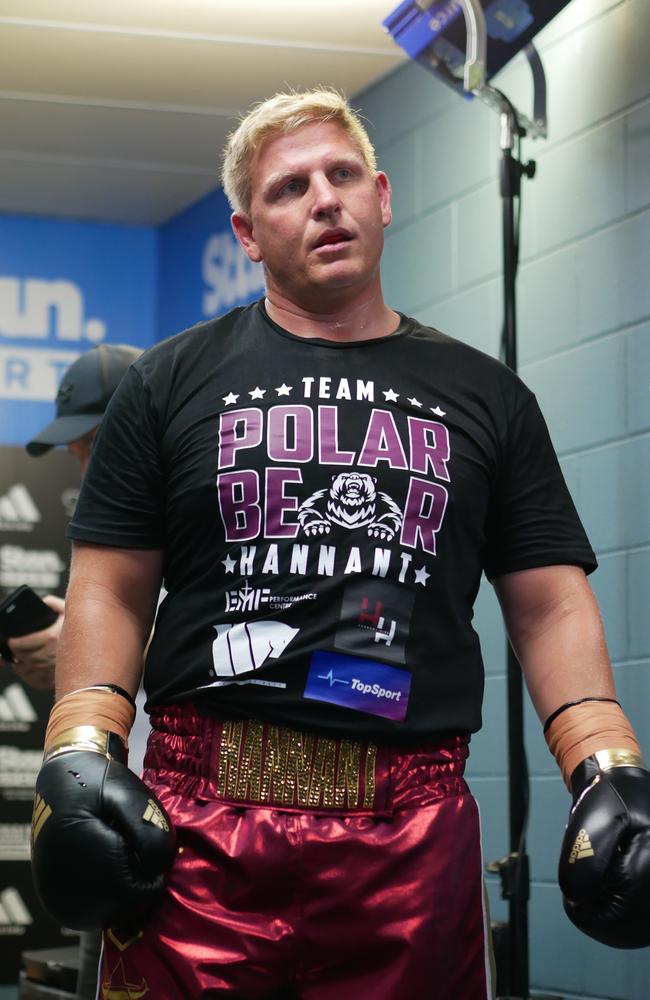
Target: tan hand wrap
{"x":100,"y":709}
{"x":585,"y":729}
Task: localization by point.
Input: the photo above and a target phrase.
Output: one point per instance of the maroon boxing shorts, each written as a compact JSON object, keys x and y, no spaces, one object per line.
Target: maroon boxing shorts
{"x":308,"y":866}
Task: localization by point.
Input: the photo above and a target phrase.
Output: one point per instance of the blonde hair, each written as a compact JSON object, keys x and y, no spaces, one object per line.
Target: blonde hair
{"x":280,"y":114}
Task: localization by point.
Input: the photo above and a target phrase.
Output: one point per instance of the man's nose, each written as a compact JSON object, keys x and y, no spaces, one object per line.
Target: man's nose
{"x":326,"y":199}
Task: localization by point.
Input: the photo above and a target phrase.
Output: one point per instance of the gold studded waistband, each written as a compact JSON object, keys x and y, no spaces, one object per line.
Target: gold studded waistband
{"x":263,"y":764}
{"x":268,"y":765}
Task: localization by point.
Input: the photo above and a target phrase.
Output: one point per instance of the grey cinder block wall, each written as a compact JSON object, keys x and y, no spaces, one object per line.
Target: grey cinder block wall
{"x":584,"y":349}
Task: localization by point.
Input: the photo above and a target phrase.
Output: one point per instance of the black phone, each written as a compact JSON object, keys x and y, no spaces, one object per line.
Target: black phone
{"x":21,"y":613}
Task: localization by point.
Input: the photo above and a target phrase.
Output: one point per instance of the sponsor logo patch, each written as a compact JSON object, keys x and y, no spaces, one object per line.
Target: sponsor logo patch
{"x":362,"y":685}
{"x":248,"y":645}
{"x":375,"y":620}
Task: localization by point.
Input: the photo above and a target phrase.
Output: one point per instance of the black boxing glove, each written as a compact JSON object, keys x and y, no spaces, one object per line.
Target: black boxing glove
{"x":604,"y":870}
{"x":101,"y":842}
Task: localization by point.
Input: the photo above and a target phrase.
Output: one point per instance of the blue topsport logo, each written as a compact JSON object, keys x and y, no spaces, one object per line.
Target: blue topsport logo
{"x":359,"y":684}
{"x":376,"y":690}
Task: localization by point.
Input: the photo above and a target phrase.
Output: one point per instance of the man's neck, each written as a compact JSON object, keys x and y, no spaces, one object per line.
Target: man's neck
{"x":365,"y":320}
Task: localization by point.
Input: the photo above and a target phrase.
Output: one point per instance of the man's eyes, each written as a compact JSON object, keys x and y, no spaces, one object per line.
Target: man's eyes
{"x":298,"y":186}
{"x":291,"y":187}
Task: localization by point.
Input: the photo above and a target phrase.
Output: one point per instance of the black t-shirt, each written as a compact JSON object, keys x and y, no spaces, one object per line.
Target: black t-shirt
{"x":325,"y":512}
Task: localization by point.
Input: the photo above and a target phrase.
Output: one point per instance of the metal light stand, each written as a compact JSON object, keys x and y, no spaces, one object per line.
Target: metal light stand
{"x":513,"y":869}
{"x":469,"y":80}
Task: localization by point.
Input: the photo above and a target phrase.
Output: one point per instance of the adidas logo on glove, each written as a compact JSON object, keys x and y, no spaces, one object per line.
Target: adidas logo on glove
{"x":581,"y":848}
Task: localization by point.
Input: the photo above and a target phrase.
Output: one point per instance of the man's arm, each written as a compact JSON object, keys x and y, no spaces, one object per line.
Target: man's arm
{"x":604,"y":872}
{"x":101,"y":842}
{"x":555,"y":629}
{"x":110,"y":607}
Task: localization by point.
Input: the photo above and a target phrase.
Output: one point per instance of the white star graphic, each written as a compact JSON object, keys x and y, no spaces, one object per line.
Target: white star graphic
{"x":230,"y":398}
{"x":438,"y":412}
{"x":390,"y":396}
{"x":257,"y":393}
{"x":421,"y":576}
{"x":413,"y":401}
{"x":229,"y":564}
{"x":284,"y":389}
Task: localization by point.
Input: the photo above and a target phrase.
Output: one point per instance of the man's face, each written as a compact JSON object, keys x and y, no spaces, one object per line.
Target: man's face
{"x":81,"y":449}
{"x":317,"y":216}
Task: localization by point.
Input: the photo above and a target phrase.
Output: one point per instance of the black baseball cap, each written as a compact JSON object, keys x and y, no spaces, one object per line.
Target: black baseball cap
{"x":83,"y":395}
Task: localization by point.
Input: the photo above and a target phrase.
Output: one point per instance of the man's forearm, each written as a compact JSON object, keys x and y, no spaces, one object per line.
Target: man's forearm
{"x":100,"y":643}
{"x":110,"y":606}
{"x":556,"y":632}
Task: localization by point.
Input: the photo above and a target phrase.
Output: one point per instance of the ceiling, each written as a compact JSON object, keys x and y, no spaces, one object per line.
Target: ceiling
{"x":118,"y":111}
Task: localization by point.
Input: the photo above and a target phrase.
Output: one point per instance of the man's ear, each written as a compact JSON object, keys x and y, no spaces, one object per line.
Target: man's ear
{"x":384,"y":192}
{"x":242,"y":227}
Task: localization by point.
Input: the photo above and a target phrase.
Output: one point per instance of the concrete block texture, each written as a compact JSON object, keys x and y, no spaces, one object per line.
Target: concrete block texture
{"x":584,"y":348}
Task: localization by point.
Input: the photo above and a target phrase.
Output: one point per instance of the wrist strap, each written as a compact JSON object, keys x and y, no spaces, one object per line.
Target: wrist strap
{"x":569,"y":704}
{"x":98,"y":708}
{"x":115,"y":688}
{"x":587,"y":728}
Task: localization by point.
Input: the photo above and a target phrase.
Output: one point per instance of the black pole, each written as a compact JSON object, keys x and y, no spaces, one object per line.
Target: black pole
{"x":511,"y":170}
{"x":514,"y":869}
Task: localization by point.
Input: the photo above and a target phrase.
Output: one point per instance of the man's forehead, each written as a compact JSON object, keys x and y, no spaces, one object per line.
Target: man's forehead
{"x":312,"y":141}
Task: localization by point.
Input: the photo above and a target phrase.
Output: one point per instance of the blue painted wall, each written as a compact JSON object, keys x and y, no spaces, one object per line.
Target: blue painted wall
{"x":584,"y":348}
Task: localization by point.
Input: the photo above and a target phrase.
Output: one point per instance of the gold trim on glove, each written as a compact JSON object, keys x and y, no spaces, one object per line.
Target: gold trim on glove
{"x":85,"y":738}
{"x":607,"y":759}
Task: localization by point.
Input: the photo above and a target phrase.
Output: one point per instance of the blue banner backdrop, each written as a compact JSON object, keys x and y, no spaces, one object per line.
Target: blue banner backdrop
{"x":64,"y":287}
{"x":203,"y":271}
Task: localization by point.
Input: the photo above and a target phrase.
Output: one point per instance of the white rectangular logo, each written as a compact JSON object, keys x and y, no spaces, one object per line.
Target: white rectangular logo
{"x":32,"y":374}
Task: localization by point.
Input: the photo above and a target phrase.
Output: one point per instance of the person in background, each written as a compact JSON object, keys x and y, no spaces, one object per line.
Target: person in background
{"x":321,"y":481}
{"x":83,"y":395}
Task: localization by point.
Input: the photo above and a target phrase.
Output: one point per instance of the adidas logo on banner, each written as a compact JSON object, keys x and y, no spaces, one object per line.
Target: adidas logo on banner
{"x":18,"y":512}
{"x":581,"y":848}
{"x":14,"y":915}
{"x":16,"y":711}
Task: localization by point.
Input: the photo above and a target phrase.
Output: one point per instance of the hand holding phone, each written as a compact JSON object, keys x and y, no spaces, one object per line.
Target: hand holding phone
{"x":21,"y":613}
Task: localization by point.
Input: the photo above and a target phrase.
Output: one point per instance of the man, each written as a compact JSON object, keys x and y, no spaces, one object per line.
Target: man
{"x":322,"y":482}
{"x":83,"y":395}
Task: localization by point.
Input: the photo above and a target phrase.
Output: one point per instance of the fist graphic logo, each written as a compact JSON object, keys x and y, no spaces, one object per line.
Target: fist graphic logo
{"x":246,"y":646}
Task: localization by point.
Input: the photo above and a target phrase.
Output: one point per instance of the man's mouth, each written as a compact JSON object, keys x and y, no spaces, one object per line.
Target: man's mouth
{"x":333,"y":238}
